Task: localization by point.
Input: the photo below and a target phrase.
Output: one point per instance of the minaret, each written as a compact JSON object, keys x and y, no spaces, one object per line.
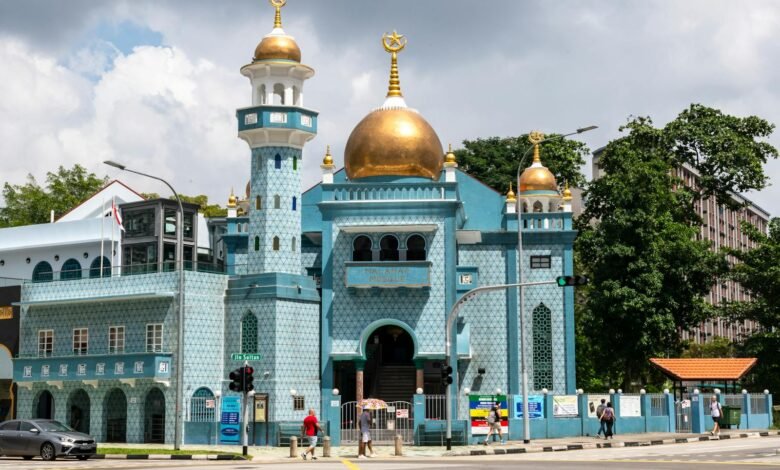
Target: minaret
{"x":276,"y":127}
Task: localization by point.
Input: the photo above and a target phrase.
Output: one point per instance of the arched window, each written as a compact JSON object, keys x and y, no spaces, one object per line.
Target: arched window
{"x":257,"y":243}
{"x":296,"y":96}
{"x":293,"y":245}
{"x":277,"y":202}
{"x":415,"y":248}
{"x":388,"y":248}
{"x":199,"y":412}
{"x":71,"y":269}
{"x":42,"y":272}
{"x":94,"y":268}
{"x":361,"y":249}
{"x":295,"y":203}
{"x":261,"y":92}
{"x":258,"y":203}
{"x":276,"y":243}
{"x":542,"y":347}
{"x":278,"y":94}
{"x":538,"y":207}
{"x":525,"y":207}
{"x":249,"y":333}
{"x":295,"y":163}
{"x":278,"y":162}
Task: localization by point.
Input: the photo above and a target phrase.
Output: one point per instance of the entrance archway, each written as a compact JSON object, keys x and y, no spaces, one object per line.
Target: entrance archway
{"x":78,"y":411}
{"x":115,"y":415}
{"x":43,"y":406}
{"x":154,"y":416}
{"x":389,"y":372}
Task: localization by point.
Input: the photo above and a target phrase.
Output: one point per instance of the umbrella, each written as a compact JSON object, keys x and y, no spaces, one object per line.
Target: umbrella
{"x":372,"y":404}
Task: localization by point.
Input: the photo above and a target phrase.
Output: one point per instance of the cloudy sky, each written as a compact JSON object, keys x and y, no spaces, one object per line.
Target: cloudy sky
{"x":155,"y":84}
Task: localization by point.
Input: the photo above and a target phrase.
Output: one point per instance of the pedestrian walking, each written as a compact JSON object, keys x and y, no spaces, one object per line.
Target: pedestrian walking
{"x":717,"y":412}
{"x":494,"y":423}
{"x":310,"y":429}
{"x":364,"y":424}
{"x":599,"y":412}
{"x":608,"y":418}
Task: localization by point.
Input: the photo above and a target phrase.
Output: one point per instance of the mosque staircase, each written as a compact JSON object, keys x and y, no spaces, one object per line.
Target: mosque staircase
{"x":395,"y":383}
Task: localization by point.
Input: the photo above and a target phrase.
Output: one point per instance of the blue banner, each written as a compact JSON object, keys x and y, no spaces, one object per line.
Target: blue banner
{"x":230,"y":423}
{"x":535,"y":407}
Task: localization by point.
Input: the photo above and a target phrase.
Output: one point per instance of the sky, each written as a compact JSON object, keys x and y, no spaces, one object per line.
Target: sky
{"x":155,"y":84}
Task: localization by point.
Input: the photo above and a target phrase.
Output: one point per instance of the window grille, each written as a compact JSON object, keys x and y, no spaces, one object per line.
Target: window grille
{"x":540,"y":262}
{"x":249,"y":334}
{"x":542,"y":347}
{"x":298,"y":403}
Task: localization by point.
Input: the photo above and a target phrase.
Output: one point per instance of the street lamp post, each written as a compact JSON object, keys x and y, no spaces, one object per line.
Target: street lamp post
{"x":178,"y":434}
{"x":523,"y":364}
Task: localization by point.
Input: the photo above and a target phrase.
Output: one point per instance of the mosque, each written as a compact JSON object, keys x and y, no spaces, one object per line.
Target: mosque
{"x":342,"y":289}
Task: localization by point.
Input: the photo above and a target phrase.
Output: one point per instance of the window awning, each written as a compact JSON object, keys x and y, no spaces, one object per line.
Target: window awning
{"x":703,"y":369}
{"x":388,"y":228}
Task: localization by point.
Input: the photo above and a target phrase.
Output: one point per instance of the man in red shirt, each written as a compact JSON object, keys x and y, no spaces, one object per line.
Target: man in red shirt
{"x":310,"y":429}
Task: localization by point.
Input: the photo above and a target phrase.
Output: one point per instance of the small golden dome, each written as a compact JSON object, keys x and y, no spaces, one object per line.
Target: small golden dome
{"x":328,"y":160}
{"x":510,"y":195}
{"x":393,"y":140}
{"x":537,"y":177}
{"x":396,"y":142}
{"x":232,"y":200}
{"x":277,"y":45}
{"x":567,"y":193}
{"x":450,"y":157}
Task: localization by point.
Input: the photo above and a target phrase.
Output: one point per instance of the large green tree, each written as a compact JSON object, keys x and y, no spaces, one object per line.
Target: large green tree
{"x":31,"y":203}
{"x":494,"y":160}
{"x":758,"y":271}
{"x":208,"y":210}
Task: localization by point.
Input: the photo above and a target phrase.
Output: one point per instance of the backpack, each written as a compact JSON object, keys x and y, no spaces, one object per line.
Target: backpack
{"x":600,"y":411}
{"x":608,"y":414}
{"x":491,"y":417}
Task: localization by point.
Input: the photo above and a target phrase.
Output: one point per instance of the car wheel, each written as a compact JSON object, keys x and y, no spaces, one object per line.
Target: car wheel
{"x":48,"y":452}
{"x":27,"y":457}
{"x":82,"y":457}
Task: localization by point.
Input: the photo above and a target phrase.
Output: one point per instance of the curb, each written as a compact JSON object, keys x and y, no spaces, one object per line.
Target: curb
{"x":609,"y":445}
{"x":167,"y":457}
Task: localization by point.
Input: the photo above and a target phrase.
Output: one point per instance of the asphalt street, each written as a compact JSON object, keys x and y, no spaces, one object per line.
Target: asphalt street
{"x":759,"y":452}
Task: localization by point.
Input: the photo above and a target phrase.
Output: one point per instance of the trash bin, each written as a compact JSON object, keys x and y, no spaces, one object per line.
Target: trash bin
{"x":732,"y":415}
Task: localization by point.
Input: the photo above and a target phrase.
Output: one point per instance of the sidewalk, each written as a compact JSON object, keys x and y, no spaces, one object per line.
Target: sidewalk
{"x":280,"y":454}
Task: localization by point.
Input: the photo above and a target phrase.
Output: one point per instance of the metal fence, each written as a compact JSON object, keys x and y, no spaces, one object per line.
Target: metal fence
{"x":396,"y":419}
{"x":682,"y":409}
{"x":658,"y":404}
{"x":758,"y":403}
{"x":733,"y":400}
{"x":435,"y":407}
{"x":201,"y":410}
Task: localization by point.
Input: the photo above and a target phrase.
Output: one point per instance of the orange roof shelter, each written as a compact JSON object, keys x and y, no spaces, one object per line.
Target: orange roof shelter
{"x":701,"y":370}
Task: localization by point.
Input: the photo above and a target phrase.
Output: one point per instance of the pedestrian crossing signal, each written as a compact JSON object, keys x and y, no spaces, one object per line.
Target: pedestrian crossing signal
{"x":236,"y":381}
{"x":571,"y":281}
{"x":446,"y":375}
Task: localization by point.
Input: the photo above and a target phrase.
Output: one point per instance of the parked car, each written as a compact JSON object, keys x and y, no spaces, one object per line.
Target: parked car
{"x":45,"y":437}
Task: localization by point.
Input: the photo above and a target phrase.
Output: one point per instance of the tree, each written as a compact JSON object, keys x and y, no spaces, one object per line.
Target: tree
{"x":648,"y":272}
{"x":494,"y":160}
{"x":717,"y":347}
{"x":208,"y":210}
{"x":31,"y":204}
{"x":758,"y":272}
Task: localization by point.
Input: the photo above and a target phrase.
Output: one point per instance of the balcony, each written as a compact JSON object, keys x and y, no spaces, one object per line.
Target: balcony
{"x":277,"y":117}
{"x":124,"y":367}
{"x":388,"y":274}
{"x":389,"y":192}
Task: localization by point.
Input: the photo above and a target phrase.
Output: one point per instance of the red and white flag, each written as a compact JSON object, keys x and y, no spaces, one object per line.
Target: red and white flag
{"x":117,"y":217}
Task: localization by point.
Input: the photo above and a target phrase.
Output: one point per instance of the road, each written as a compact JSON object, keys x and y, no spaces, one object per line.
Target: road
{"x":740,"y":453}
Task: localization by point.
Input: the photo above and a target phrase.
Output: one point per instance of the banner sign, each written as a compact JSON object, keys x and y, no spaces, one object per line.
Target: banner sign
{"x":479,"y":408}
{"x":565,"y":406}
{"x":593,"y":403}
{"x":535,"y":407}
{"x":229,"y":424}
{"x":630,"y":406}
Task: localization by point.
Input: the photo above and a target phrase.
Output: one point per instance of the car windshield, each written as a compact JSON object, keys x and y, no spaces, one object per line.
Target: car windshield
{"x":52,"y":426}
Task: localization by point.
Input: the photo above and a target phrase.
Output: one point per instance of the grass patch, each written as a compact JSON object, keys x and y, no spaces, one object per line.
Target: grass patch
{"x":145,"y":451}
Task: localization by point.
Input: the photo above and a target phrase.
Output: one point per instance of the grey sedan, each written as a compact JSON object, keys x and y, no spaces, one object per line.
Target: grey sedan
{"x":45,"y":437}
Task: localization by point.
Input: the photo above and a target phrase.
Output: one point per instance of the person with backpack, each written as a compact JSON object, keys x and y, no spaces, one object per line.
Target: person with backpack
{"x":608,"y":418}
{"x":494,"y":423}
{"x":717,"y":412}
{"x":599,"y":412}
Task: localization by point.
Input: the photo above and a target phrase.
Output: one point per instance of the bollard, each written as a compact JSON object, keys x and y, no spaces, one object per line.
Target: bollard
{"x":326,"y":446}
{"x":293,"y":447}
{"x":399,"y":445}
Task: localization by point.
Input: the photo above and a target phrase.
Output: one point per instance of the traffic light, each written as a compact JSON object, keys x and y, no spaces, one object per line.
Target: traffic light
{"x":573,"y":281}
{"x":235,"y":381}
{"x":248,"y":378}
{"x":446,"y":375}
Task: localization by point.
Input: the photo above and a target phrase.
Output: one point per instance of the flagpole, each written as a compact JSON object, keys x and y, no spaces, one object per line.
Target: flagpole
{"x":102,"y":238}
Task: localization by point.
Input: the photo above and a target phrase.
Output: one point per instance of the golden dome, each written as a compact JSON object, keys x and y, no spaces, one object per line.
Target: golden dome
{"x":537,"y":177}
{"x":567,"y":193}
{"x":328,"y":160}
{"x":232,"y":200}
{"x":393,"y":140}
{"x":510,"y":195}
{"x":450,"y":157}
{"x":277,"y":45}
